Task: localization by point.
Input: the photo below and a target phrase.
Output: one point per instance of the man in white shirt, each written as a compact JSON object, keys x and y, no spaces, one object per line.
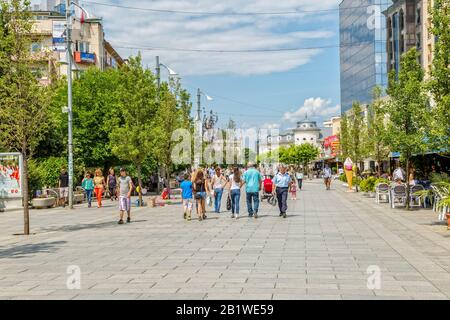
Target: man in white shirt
{"x":327,"y":175}
{"x":399,"y":175}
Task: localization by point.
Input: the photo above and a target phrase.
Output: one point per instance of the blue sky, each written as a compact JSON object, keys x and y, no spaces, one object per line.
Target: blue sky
{"x":263,"y":89}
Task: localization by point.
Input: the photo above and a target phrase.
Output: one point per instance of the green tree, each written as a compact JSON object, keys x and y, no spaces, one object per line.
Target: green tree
{"x":96,"y":110}
{"x":357,"y":133}
{"x":298,"y":155}
{"x":270,"y":157}
{"x":376,"y":139}
{"x":173,"y":113}
{"x":344,"y":138}
{"x":134,"y":137}
{"x":24,"y":103}
{"x":408,"y":110}
{"x":439,"y":84}
{"x":249,"y":155}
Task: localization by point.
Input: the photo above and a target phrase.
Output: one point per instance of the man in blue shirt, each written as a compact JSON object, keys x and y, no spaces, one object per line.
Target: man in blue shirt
{"x":186,"y":195}
{"x":252,"y":180}
{"x":281,"y":184}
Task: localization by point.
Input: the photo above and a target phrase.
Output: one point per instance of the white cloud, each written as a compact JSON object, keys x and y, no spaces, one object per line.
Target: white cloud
{"x":313,"y":108}
{"x":134,"y":28}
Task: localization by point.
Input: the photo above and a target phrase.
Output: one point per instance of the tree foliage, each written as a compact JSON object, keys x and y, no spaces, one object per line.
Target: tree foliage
{"x":377,"y":135}
{"x":135,"y":134}
{"x":298,"y":155}
{"x":439,"y":84}
{"x":24,"y":103}
{"x":96,"y":110}
{"x":353,"y":134}
{"x":408,"y":110}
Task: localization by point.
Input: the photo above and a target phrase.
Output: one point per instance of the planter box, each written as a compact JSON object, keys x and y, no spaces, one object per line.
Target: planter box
{"x":41,"y":203}
{"x":78,"y":198}
{"x":448,"y":220}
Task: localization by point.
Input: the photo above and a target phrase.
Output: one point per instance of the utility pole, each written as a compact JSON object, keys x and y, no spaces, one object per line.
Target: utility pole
{"x":69,"y":99}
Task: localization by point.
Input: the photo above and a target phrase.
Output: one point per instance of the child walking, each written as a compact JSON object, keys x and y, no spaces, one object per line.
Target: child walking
{"x":186,"y":187}
{"x":293,"y":191}
{"x":88,"y":185}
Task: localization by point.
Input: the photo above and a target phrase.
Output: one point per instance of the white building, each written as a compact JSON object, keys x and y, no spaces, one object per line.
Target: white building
{"x":306,"y":131}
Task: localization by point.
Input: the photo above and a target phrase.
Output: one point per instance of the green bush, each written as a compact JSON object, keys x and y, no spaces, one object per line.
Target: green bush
{"x":382,"y":180}
{"x":44,"y":172}
{"x":368,"y":184}
{"x":356,"y":181}
{"x":363,"y":186}
{"x":440,"y":177}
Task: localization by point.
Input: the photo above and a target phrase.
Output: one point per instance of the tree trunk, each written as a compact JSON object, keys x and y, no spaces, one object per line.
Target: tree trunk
{"x":379,"y":167}
{"x":167,"y":177}
{"x":26,"y":211}
{"x":138,"y":168}
{"x":407,"y":184}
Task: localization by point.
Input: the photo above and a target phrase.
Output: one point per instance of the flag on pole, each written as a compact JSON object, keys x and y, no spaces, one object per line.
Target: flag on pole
{"x":81,"y":14}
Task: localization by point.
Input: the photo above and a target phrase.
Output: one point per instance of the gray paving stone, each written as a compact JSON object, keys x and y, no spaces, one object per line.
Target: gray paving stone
{"x":321,"y":252}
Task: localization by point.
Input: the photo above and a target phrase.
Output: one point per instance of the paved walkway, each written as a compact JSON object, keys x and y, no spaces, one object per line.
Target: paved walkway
{"x":321,"y":251}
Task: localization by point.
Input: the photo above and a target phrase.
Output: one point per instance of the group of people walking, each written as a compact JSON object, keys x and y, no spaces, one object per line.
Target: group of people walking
{"x":203,"y":185}
{"x":119,"y":188}
{"x":198,"y":188}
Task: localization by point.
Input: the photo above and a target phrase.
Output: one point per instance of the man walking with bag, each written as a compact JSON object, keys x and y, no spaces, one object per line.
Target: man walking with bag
{"x":281,"y":184}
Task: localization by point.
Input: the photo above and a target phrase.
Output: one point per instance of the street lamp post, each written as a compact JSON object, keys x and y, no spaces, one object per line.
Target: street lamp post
{"x":158,"y":76}
{"x":158,"y":81}
{"x":199,"y":129}
{"x":69,"y":100}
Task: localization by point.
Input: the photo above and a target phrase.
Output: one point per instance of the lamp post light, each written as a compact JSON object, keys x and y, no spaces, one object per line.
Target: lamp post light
{"x":158,"y":80}
{"x":199,"y":129}
{"x":158,"y":73}
{"x":69,"y":99}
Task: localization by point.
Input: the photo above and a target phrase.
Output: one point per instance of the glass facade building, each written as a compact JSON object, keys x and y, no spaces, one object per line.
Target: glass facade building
{"x":363,"y":58}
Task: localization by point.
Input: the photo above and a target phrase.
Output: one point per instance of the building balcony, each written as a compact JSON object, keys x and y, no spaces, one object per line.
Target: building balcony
{"x":84,"y":57}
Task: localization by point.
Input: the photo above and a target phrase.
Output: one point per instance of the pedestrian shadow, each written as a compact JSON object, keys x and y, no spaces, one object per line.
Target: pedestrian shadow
{"x":78,"y":227}
{"x":212,"y":218}
{"x":22,"y":251}
{"x":436,"y":223}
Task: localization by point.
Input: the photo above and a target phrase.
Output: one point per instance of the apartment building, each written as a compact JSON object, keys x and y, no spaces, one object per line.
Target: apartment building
{"x":89,"y":46}
{"x":408,"y":25}
{"x":363,"y":50}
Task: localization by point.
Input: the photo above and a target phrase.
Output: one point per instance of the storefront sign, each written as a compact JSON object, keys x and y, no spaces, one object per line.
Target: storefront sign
{"x":83,"y":57}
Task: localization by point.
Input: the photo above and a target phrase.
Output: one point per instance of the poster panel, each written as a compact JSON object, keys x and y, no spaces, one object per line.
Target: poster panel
{"x":11,"y":168}
{"x":59,"y":36}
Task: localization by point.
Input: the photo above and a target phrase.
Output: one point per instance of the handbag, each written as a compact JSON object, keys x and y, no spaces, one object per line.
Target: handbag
{"x":209,"y":201}
{"x":198,"y":194}
{"x":228,"y":203}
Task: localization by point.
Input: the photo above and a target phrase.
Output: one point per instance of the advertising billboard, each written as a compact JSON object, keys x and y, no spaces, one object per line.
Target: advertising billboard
{"x":10,"y":175}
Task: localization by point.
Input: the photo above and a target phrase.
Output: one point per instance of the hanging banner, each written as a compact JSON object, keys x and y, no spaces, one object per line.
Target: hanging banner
{"x":11,"y":168}
{"x":59,"y":36}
